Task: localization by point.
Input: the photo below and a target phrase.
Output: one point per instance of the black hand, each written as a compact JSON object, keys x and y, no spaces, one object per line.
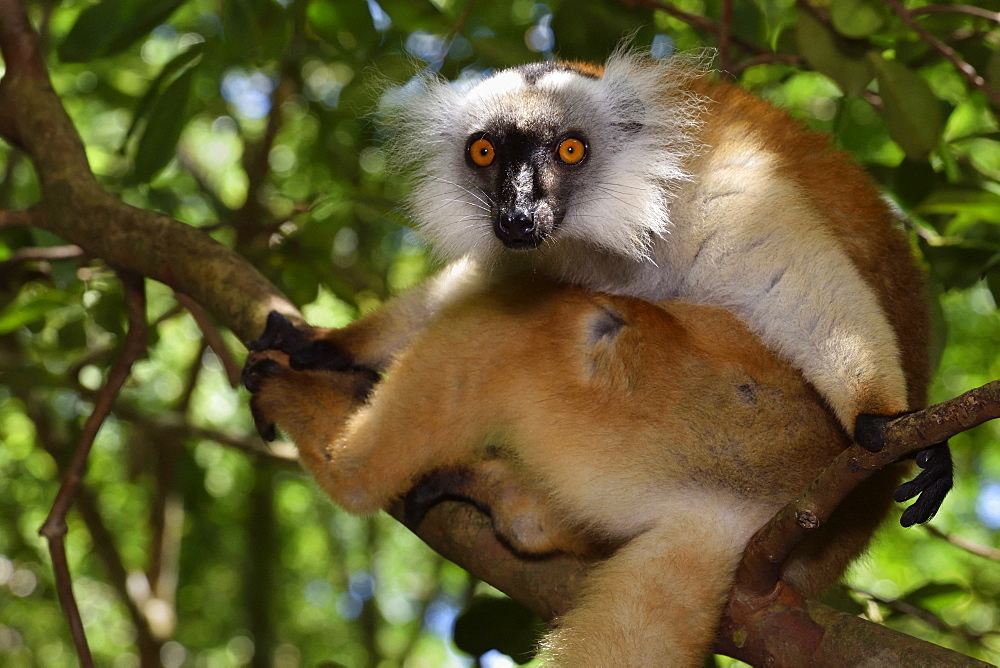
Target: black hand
{"x":931,"y":485}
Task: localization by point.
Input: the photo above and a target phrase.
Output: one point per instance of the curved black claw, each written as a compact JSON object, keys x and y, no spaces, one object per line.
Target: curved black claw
{"x":869,"y":430}
{"x":931,"y":485}
{"x":432,"y":489}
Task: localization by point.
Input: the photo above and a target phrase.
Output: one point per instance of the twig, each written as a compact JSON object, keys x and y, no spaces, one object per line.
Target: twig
{"x":967,"y":70}
{"x":54,"y":529}
{"x":104,"y":547}
{"x":29,"y":254}
{"x":963,"y":543}
{"x":957,"y":9}
{"x":213,"y":338}
{"x":922,"y":614}
{"x":696,"y":21}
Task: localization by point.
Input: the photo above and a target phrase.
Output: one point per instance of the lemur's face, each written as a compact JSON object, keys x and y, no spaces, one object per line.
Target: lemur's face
{"x":544,"y":156}
{"x":529,"y":153}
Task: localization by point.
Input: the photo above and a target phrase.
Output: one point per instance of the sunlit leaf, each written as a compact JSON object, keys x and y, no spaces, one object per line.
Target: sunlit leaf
{"x":17,"y":314}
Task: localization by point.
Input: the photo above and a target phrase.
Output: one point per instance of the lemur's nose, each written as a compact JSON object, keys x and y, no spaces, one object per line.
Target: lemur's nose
{"x":518,"y":226}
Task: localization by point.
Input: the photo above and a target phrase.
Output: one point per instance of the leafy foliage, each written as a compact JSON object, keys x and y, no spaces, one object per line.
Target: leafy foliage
{"x":253,"y":120}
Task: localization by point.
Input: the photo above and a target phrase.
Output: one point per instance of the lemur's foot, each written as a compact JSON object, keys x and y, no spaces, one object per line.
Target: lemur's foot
{"x":304,"y":349}
{"x":260,"y":367}
{"x":449,"y":484}
{"x":288,"y":363}
{"x":522,"y":516}
{"x":931,"y":485}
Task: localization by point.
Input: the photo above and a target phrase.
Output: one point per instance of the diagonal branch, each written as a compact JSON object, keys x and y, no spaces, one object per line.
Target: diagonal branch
{"x":904,"y":436}
{"x":54,"y":529}
{"x":967,"y":70}
{"x":74,"y":206}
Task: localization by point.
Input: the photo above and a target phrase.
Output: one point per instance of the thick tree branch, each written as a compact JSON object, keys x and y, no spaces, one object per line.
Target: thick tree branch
{"x":75,"y":206}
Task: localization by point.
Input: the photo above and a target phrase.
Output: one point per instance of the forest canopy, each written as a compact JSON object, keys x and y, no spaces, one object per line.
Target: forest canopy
{"x":254,"y":122}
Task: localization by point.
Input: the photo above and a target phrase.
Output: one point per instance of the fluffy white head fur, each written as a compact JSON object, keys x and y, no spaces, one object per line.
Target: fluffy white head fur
{"x":639,"y":118}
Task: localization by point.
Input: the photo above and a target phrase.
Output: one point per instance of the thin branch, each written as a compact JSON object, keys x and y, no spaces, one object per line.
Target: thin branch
{"x":33,"y":253}
{"x":963,"y":543}
{"x":969,"y":10}
{"x":967,"y":70}
{"x":923,"y":614}
{"x":696,"y":21}
{"x":104,"y":547}
{"x":213,"y":337}
{"x":54,"y":529}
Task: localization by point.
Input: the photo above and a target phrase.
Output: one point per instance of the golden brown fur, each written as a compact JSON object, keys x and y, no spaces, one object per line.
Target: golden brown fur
{"x":670,"y":428}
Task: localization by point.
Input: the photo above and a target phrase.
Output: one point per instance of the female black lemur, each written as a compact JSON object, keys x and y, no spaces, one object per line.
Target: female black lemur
{"x":649,"y":179}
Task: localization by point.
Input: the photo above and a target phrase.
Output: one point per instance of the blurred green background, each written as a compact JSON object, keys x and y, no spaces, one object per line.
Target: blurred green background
{"x":253,"y":120}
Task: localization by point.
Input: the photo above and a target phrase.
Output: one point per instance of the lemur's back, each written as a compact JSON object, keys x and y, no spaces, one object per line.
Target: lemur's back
{"x":845,"y":197}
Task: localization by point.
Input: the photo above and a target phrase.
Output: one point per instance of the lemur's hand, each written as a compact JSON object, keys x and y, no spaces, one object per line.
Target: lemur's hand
{"x":931,"y":485}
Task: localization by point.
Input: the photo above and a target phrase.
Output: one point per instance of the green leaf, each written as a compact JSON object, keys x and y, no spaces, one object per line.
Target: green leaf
{"x":981,"y":205}
{"x":912,"y":113}
{"x":177,"y":64}
{"x":840,"y":59}
{"x":18,"y":314}
{"x":497,"y":623}
{"x":163,"y":130}
{"x":112,"y":26}
{"x":857,"y":18}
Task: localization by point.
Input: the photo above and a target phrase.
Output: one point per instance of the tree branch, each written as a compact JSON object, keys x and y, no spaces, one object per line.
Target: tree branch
{"x":77,"y":208}
{"x":770,"y":547}
{"x":32,"y":217}
{"x":54,"y":529}
{"x":214,"y":339}
{"x":972,"y":547}
{"x":969,"y":10}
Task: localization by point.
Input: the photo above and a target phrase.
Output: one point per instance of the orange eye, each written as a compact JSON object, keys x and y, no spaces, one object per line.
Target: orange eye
{"x":572,"y":150}
{"x":481,"y":152}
